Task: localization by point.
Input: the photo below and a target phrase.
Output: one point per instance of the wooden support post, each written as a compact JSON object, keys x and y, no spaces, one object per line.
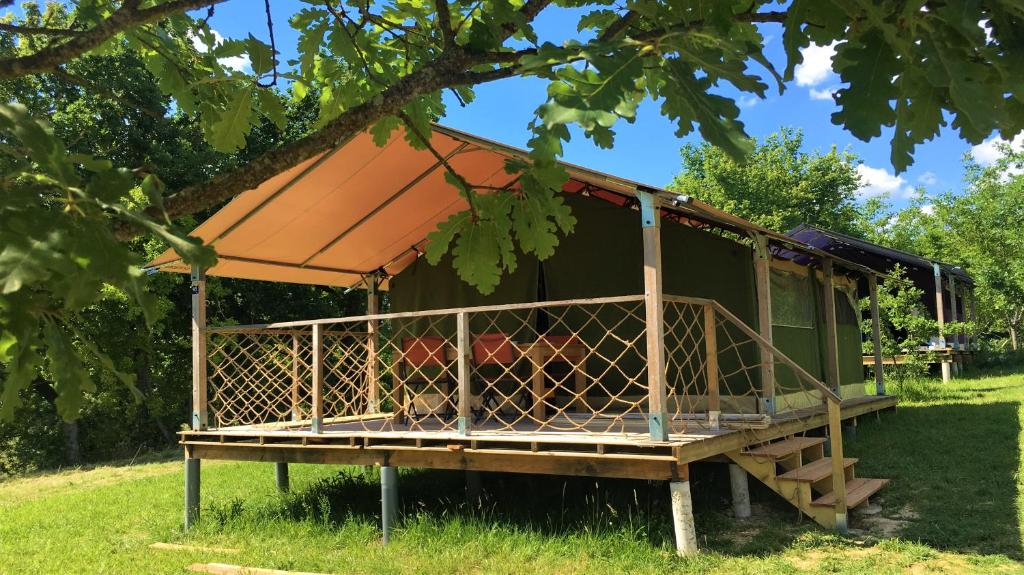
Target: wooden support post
{"x":388,"y":500}
{"x":940,"y":319}
{"x":831,"y":334}
{"x":740,"y":490}
{"x":473,"y":489}
{"x":954,"y":316}
{"x":199,"y":411}
{"x":654,"y":308}
{"x":192,"y":472}
{"x":835,"y":425}
{"x":762,"y":279}
{"x":976,"y":343}
{"x":464,"y":372}
{"x":373,"y":347}
{"x":296,"y":409}
{"x":968,"y":315}
{"x":682,"y":517}
{"x":281,"y":474}
{"x":711,"y":366}
{"x":317,"y":419}
{"x":876,"y":334}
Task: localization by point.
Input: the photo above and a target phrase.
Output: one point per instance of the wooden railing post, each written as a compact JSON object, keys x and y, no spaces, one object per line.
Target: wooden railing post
{"x":762,"y":279}
{"x":654,"y":308}
{"x":464,"y":373}
{"x":317,"y":419}
{"x":876,"y":334}
{"x":831,"y":332}
{"x":296,"y":410}
{"x":711,"y":366}
{"x":835,"y":431}
{"x":372,"y":348}
{"x":199,"y":410}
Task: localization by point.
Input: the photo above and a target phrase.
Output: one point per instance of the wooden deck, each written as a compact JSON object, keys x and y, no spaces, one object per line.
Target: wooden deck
{"x":628,"y":454}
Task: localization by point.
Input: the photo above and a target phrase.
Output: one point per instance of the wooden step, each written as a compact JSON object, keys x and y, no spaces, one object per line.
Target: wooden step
{"x":857,"y":491}
{"x":784,"y":448}
{"x":814,"y":471}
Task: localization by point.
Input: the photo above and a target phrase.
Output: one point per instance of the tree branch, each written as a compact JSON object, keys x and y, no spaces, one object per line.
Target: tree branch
{"x":444,"y":22}
{"x":32,"y":30}
{"x":125,"y":17}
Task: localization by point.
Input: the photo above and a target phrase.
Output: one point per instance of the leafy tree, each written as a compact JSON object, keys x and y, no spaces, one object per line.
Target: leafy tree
{"x":381,"y":65}
{"x":985,"y":232}
{"x":904,"y":324}
{"x":778,"y":186}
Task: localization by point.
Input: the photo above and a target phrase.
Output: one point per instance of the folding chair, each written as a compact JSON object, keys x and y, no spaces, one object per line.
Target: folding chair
{"x":420,"y":356}
{"x":497,"y":351}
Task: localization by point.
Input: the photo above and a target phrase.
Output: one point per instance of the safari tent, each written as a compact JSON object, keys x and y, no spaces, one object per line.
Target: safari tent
{"x":661,"y":332}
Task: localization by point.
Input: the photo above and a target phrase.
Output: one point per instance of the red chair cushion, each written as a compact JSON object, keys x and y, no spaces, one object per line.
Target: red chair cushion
{"x":493,"y":348}
{"x":421,"y":351}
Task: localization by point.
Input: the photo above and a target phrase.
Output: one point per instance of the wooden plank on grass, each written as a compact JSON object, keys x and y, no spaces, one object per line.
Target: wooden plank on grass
{"x":225,"y":569}
{"x":194,"y":548}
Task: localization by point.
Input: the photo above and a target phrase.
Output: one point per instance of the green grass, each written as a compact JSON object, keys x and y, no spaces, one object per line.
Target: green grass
{"x":955,"y":505}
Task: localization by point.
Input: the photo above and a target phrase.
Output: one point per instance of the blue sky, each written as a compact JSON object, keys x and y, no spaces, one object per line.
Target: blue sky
{"x":648,"y":150}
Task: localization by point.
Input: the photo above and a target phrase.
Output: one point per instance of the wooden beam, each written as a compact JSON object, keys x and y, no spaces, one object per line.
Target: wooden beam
{"x":317,"y":420}
{"x":762,"y":279}
{"x":296,"y":380}
{"x":199,"y":411}
{"x":835,"y":430}
{"x":953,"y":316}
{"x":654,"y":312}
{"x":940,"y":318}
{"x":831,"y":334}
{"x":876,"y":334}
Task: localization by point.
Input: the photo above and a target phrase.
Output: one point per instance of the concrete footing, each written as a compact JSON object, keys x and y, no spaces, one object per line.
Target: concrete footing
{"x":682,"y":517}
{"x":192,"y":468}
{"x":946,"y":371}
{"x":281,"y":474}
{"x":388,"y":500}
{"x":740,"y":490}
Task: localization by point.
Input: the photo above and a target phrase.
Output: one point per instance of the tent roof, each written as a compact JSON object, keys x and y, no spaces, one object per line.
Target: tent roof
{"x":869,"y":254}
{"x":362,"y":208}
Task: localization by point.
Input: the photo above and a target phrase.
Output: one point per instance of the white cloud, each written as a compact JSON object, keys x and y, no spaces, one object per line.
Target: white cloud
{"x":817,"y":65}
{"x":928,"y":209}
{"x":928,"y":179}
{"x":880,"y":181}
{"x":826,"y":94}
{"x":239,"y":63}
{"x":747,"y":101}
{"x":987,"y":152}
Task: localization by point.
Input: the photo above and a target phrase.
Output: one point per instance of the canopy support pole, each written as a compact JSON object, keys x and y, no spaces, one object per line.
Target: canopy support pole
{"x":941,"y":320}
{"x":198,"y":287}
{"x":831,"y":334}
{"x":876,"y":334}
{"x":654,"y":311}
{"x":762,"y":279}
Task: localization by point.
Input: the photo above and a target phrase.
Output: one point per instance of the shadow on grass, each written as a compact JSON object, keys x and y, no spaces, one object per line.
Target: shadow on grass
{"x":954,"y":473}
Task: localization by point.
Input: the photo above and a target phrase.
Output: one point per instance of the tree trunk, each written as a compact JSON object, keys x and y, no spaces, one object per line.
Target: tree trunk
{"x":72,"y":452}
{"x":143,"y":380}
{"x":1013,"y":338}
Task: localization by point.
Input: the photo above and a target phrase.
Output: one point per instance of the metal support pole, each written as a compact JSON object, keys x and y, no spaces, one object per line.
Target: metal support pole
{"x":654,"y":317}
{"x":740,"y":489}
{"x":682,"y":517}
{"x":388,"y":500}
{"x":192,"y":468}
{"x":281,"y":473}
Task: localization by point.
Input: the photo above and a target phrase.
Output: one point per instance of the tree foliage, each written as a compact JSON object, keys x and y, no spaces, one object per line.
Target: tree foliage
{"x":383,"y":65}
{"x":779,"y":186}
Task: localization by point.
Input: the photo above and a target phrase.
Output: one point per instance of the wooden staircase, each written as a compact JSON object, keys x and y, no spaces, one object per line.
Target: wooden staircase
{"x":796,"y":468}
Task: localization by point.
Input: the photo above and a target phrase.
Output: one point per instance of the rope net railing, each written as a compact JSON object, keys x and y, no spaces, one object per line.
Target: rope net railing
{"x":573,"y":366}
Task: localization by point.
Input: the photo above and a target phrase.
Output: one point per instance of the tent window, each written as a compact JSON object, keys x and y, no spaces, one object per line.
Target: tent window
{"x":792,"y":299}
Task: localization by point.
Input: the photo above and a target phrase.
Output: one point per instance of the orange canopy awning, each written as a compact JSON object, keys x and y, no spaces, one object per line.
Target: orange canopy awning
{"x":362,"y":208}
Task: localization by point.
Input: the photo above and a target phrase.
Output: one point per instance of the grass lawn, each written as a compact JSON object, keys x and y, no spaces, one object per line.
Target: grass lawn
{"x":954,"y":506}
